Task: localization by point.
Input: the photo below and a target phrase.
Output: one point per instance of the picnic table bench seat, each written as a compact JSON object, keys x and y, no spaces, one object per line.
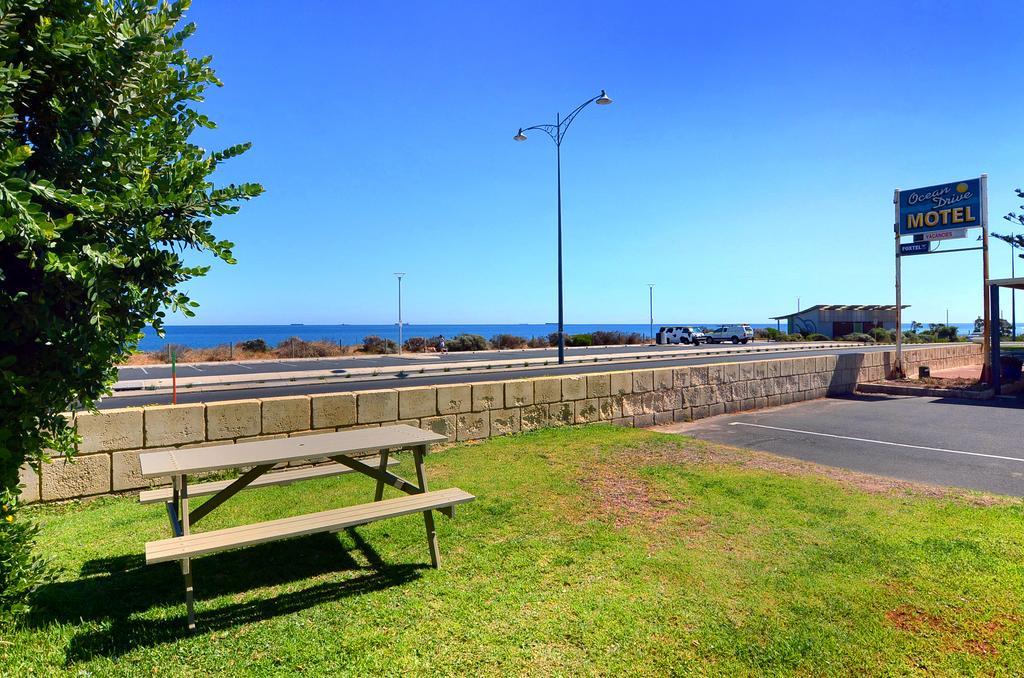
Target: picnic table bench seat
{"x":333,"y":520}
{"x":274,"y":478}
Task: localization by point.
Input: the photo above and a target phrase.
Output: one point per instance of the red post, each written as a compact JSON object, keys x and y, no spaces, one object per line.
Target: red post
{"x":174,"y":379}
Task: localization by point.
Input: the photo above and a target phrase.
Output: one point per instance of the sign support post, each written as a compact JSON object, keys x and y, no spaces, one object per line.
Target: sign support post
{"x":897,"y":368}
{"x":986,"y":370}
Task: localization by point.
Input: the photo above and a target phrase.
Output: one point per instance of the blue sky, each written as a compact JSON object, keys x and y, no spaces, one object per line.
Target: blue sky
{"x":749,"y":157}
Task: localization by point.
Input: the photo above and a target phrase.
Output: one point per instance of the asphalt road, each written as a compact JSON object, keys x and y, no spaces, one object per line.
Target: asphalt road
{"x":186,"y":370}
{"x":458,"y":378}
{"x":940,"y":441}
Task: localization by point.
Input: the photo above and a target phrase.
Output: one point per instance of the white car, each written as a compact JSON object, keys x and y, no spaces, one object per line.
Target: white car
{"x":976,"y":337}
{"x":737,"y":334}
{"x":680,"y":335}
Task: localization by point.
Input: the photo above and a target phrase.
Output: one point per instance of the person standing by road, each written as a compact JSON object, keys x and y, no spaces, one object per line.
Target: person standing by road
{"x":441,"y":346}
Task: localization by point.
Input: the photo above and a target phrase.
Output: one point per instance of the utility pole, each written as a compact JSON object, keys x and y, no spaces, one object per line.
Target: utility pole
{"x":399,"y":276}
{"x":651,"y":286}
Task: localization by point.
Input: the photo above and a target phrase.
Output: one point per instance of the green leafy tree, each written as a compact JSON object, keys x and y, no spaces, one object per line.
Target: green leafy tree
{"x":101,"y":194}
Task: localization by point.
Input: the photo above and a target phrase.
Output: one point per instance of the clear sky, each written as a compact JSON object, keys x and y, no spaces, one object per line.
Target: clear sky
{"x":749,"y":158}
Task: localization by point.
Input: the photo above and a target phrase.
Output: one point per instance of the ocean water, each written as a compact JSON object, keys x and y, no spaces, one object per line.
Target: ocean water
{"x":205,"y":336}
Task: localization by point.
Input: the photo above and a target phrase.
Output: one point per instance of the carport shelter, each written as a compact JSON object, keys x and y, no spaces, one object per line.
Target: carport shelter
{"x":995,"y":373}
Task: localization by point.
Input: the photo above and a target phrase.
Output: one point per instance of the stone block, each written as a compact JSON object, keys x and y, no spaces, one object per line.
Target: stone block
{"x":561,"y":414}
{"x":699,"y":412}
{"x":547,"y":390}
{"x":473,"y":426}
{"x":643,"y":420}
{"x":598,"y":385}
{"x":643,"y":380}
{"x":174,"y":425}
{"x":664,"y":379}
{"x":666,"y":401}
{"x":574,"y":388}
{"x":488,"y":396}
{"x":611,"y":408}
{"x":230,"y":419}
{"x":716,"y":375}
{"x":746,"y":371}
{"x":681,"y":377}
{"x":505,"y":421}
{"x":519,"y":393}
{"x":117,"y":429}
{"x":716,"y":409}
{"x":28,"y":479}
{"x":375,"y":406}
{"x":454,"y":399}
{"x":682,"y":414}
{"x":620,"y":383}
{"x":587,"y":411}
{"x":417,"y":402}
{"x":534,"y":417}
{"x":730,"y":373}
{"x":632,"y":404}
{"x":662,"y":418}
{"x":699,"y":375}
{"x":624,"y":421}
{"x":126,"y":472}
{"x":443,"y":425}
{"x":87,"y":475}
{"x":773,"y":368}
{"x":333,"y":410}
{"x":287,"y":414}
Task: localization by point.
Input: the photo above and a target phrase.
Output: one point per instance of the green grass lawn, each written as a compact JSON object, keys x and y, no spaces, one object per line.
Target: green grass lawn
{"x":588,"y":550}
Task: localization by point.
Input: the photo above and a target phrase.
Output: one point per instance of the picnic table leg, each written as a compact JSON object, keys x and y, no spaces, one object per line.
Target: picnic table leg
{"x":186,"y":564}
{"x":380,"y":482}
{"x":428,"y":517}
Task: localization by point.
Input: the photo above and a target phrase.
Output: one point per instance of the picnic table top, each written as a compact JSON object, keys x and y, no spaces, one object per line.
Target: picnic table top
{"x":360,"y":441}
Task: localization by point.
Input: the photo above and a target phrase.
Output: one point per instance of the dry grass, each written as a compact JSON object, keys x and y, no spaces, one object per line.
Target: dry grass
{"x":225,"y":353}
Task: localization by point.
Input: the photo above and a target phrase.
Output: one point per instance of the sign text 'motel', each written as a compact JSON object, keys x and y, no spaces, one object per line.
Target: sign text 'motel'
{"x":943,"y":207}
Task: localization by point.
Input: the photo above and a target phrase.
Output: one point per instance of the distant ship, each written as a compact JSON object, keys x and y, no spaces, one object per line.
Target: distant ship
{"x":296,"y":324}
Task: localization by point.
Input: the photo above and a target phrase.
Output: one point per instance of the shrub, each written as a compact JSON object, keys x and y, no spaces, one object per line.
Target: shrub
{"x":791,"y":337}
{"x":859,"y":336}
{"x":947,"y":332}
{"x":415,"y":345}
{"x":295,"y":347}
{"x":103,"y":193}
{"x":816,"y":336}
{"x":538,"y":342}
{"x":21,"y":572}
{"x":468,"y":342}
{"x":883,"y":335}
{"x":579,"y":340}
{"x":254,"y":346}
{"x":375,"y":344}
{"x":507,"y":341}
{"x":553,"y":339}
{"x":767,"y":333}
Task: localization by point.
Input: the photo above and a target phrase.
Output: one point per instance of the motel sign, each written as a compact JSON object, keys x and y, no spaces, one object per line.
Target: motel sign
{"x":941,"y":208}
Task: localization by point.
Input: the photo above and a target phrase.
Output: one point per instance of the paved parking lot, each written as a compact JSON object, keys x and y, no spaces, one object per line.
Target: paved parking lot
{"x":941,"y":441}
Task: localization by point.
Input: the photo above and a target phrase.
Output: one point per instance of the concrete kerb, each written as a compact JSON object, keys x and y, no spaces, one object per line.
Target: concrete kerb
{"x":640,"y":397}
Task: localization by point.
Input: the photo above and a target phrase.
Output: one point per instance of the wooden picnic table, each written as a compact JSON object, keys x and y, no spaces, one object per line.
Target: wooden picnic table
{"x":366,"y":451}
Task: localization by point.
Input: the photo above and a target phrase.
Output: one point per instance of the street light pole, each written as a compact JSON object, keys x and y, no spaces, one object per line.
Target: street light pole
{"x":399,"y":276}
{"x":557,"y":133}
{"x":651,"y":286}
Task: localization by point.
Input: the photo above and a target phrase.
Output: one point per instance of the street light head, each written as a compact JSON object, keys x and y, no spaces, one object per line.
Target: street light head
{"x":520,"y":136}
{"x":604,"y":99}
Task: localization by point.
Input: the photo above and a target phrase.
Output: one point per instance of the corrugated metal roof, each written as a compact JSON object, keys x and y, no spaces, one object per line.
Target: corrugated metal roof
{"x":841,"y":307}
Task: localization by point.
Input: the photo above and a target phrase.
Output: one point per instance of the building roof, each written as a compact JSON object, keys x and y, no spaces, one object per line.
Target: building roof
{"x":841,"y":307}
{"x":1012,"y":283}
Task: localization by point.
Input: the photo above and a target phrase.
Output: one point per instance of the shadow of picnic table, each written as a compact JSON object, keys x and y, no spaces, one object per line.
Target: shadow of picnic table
{"x":114,"y":591}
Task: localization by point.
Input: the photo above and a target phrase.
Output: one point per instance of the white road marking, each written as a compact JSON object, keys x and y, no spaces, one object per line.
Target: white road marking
{"x":877,"y":442}
{"x":241,"y":365}
{"x":143,"y":370}
{"x":281,"y":362}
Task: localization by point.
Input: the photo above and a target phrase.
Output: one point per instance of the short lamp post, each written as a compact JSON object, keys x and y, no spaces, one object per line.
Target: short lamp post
{"x":399,"y":276}
{"x":557,"y":133}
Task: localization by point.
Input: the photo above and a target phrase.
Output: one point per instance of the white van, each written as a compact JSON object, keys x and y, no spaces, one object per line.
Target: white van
{"x":681,"y":334}
{"x":737,"y":334}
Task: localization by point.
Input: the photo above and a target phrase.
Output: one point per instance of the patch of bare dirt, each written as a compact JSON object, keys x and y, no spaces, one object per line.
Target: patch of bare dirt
{"x":977,"y":640}
{"x":627,"y":499}
{"x":953,"y":383}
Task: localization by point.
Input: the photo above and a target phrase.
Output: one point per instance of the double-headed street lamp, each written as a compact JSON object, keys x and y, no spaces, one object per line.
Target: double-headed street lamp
{"x":557,"y":133}
{"x":399,"y":276}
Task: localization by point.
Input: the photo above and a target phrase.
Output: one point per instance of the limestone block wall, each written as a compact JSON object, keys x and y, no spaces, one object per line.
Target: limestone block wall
{"x":108,"y":455}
